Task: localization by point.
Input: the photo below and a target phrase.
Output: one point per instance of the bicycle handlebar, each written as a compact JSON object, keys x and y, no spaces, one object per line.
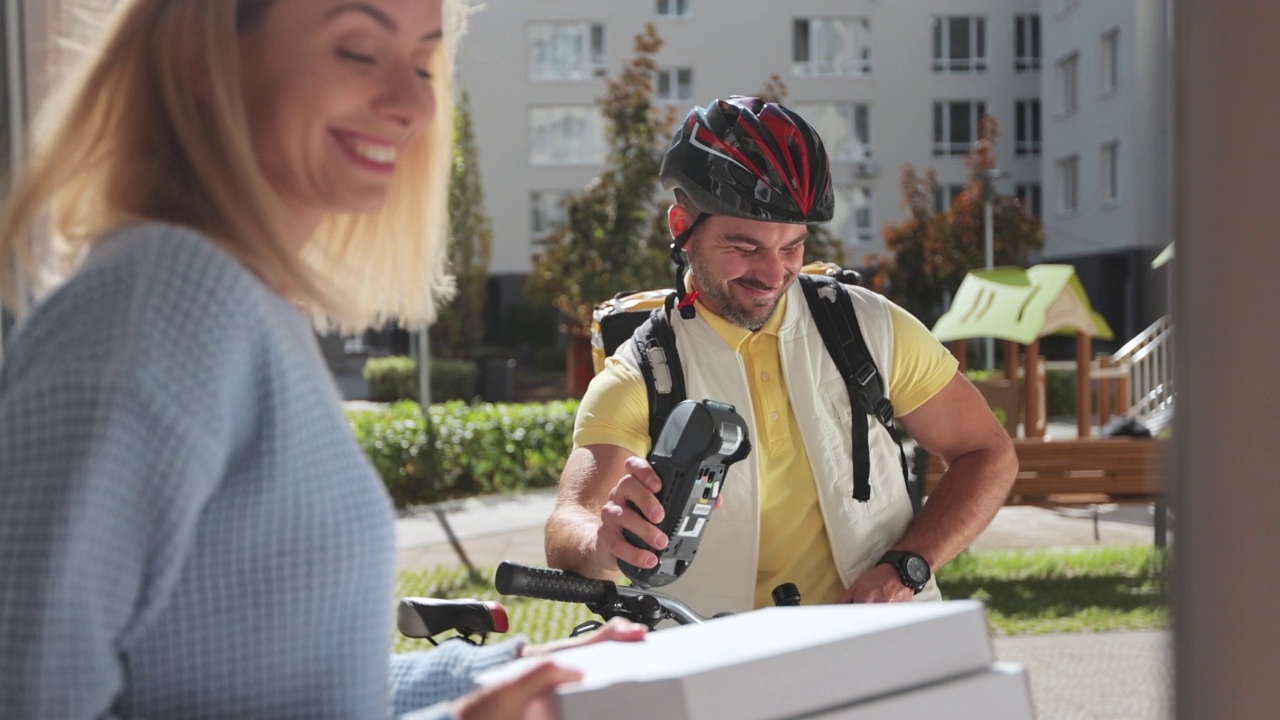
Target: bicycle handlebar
{"x":604,"y":597}
{"x":548,"y":584}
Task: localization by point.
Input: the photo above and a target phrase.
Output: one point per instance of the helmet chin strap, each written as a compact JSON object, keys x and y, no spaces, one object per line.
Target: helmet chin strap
{"x":684,"y":300}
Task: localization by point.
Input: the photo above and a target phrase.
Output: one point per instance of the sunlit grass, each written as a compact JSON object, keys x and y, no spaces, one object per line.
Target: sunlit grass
{"x":1049,"y":591}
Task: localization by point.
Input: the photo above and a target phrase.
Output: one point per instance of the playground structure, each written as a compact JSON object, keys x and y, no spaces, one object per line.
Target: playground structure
{"x":1019,"y":307}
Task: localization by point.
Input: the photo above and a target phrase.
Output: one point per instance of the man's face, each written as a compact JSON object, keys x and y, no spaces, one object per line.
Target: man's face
{"x":740,"y":267}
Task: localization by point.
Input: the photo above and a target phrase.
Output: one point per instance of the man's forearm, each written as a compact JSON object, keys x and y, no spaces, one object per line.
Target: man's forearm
{"x":571,"y":544}
{"x":971,"y":491}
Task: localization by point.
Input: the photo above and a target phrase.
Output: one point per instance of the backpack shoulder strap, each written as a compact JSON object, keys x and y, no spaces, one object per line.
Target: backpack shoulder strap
{"x":833,"y":313}
{"x":660,"y":366}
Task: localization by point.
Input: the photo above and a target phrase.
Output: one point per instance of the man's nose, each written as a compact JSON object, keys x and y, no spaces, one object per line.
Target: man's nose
{"x":770,"y":269}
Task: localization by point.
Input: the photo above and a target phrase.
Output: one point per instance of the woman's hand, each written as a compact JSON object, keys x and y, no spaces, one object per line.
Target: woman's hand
{"x":528,"y":695}
{"x":524,"y":697}
{"x":616,"y":629}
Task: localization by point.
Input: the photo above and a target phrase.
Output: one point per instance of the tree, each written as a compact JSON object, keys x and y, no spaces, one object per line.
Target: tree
{"x":614,"y":235}
{"x":933,"y":251}
{"x":460,"y":326}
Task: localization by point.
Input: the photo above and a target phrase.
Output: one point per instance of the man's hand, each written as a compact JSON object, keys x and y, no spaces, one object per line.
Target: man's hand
{"x":639,"y":485}
{"x":879,"y":584}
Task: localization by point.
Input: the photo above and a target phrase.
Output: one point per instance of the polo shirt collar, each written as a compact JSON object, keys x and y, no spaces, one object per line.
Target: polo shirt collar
{"x":735,"y":336}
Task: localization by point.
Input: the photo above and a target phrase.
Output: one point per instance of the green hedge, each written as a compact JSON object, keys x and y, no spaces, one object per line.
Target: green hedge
{"x":395,"y":378}
{"x":464,"y":449}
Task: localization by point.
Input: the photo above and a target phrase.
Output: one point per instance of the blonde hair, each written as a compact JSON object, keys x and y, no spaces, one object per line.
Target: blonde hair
{"x":125,"y":140}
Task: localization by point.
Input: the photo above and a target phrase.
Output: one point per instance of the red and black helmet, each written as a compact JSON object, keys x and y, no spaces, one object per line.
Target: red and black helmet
{"x":751,"y":159}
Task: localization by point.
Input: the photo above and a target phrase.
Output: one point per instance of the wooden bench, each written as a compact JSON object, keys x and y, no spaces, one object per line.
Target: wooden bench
{"x":1080,"y":472}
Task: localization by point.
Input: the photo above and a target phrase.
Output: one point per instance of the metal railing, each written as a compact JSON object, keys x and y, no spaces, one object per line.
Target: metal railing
{"x":1149,"y":357}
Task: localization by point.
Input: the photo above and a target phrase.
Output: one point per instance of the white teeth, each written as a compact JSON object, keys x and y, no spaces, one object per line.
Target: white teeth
{"x":381,"y":154}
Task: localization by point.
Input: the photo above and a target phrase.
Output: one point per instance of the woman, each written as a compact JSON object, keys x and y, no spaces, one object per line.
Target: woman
{"x":188,"y":528}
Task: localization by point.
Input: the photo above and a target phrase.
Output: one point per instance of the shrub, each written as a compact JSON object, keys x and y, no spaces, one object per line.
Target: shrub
{"x":391,"y":378}
{"x":1060,"y":393}
{"x":460,"y":450}
{"x":453,"y":380}
{"x":395,"y":439}
{"x":395,"y":378}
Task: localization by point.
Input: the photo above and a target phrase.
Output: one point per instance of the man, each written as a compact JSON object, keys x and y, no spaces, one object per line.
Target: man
{"x":748,"y":176}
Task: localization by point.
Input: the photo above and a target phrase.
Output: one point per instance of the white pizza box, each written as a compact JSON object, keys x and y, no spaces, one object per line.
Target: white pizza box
{"x":776,"y":662}
{"x":1000,"y":692}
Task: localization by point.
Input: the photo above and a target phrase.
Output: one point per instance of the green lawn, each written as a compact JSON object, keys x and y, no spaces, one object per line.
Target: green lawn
{"x":1110,"y":587}
{"x":1025,"y":592}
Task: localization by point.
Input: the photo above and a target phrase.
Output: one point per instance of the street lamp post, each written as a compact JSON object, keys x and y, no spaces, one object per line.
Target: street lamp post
{"x":988,"y":246}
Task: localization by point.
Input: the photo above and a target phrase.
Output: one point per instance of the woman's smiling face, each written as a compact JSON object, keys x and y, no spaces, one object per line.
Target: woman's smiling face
{"x":335,"y":91}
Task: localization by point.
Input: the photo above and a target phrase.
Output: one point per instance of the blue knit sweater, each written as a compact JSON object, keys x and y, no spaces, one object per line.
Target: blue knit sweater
{"x":187,"y":527}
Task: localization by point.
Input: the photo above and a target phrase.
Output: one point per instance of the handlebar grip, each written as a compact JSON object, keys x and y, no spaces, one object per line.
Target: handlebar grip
{"x":550,"y":584}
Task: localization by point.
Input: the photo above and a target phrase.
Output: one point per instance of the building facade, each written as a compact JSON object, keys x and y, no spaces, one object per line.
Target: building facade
{"x":1107,"y":151}
{"x":886,"y":83}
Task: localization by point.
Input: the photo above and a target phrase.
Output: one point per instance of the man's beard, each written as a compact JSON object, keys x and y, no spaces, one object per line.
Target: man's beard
{"x":717,"y":295}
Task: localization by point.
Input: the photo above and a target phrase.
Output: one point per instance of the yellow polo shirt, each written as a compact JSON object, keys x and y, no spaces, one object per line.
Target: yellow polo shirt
{"x":793,"y":538}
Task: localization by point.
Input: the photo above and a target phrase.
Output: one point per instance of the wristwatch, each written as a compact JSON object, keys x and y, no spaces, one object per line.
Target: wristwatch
{"x":912,"y":569}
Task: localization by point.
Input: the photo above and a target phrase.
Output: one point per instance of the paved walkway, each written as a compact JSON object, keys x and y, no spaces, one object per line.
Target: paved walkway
{"x":1076,"y":676}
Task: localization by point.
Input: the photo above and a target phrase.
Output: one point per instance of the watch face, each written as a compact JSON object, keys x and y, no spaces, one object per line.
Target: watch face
{"x":917,"y":569}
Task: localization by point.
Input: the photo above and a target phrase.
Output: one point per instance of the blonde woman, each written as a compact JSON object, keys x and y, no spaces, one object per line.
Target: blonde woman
{"x":188,"y":528}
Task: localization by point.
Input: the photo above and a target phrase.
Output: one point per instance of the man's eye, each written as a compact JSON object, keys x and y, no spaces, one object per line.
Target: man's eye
{"x":356,"y":57}
{"x":424,"y":73}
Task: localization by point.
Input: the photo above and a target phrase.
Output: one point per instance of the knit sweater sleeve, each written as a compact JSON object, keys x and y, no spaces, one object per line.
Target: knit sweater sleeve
{"x":116,"y":425}
{"x":424,"y":683}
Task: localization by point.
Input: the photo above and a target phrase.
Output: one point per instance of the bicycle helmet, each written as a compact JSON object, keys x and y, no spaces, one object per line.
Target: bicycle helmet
{"x":746,"y":158}
{"x":751,"y":159}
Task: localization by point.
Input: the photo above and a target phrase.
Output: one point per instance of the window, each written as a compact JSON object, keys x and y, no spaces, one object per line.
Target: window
{"x":845,"y":128}
{"x":566,"y":135}
{"x":944,"y":195}
{"x":1028,"y":195}
{"x":673,"y":8}
{"x":851,"y":216}
{"x":548,"y":210}
{"x":566,"y":51}
{"x":960,"y":44}
{"x":1111,"y":173}
{"x":674,"y":84}
{"x":831,"y":46}
{"x":955,"y":126}
{"x":1068,"y":85}
{"x":1027,"y":128}
{"x":1111,"y":61}
{"x":1068,"y":185}
{"x":1026,"y":43}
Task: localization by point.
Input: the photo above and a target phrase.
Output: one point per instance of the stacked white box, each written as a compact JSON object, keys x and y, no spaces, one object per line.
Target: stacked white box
{"x":786,"y":662}
{"x":998,"y":693}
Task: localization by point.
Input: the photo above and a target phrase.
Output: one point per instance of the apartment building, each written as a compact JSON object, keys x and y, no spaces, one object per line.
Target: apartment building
{"x":1107,"y":151}
{"x":886,"y":83}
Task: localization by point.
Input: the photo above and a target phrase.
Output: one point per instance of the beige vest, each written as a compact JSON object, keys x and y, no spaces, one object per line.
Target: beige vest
{"x":723,"y":575}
